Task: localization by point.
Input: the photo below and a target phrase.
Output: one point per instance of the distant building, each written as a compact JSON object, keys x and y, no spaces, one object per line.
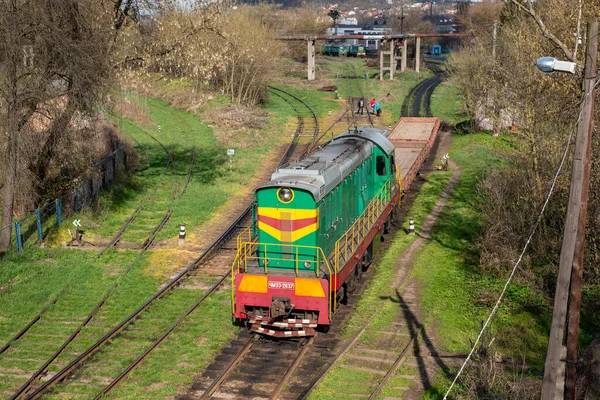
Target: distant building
{"x":348,"y":21}
{"x":445,"y":25}
{"x":355,"y":29}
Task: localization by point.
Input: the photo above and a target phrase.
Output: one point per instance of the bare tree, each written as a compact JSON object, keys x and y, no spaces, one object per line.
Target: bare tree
{"x":54,"y":66}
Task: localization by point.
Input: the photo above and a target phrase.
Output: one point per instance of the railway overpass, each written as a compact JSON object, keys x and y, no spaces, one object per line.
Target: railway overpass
{"x":387,"y":58}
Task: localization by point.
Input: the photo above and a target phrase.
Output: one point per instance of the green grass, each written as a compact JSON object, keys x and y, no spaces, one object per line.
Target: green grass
{"x":447,"y":104}
{"x":451,"y":284}
{"x":30,"y":280}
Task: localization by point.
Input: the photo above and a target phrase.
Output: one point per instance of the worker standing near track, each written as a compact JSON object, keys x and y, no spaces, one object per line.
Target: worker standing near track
{"x":361,"y":106}
{"x":372,"y":105}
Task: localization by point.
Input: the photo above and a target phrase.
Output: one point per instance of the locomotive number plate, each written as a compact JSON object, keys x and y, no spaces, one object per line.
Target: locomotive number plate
{"x":281,"y":285}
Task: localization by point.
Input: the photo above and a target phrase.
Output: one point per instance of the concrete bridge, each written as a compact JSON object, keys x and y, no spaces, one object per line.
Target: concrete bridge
{"x":392,"y":42}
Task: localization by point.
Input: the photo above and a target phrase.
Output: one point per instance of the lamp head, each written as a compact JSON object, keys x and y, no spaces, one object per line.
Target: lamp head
{"x":549,"y":65}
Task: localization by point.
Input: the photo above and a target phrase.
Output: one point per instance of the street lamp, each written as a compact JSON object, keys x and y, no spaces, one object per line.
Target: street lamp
{"x":549,"y":65}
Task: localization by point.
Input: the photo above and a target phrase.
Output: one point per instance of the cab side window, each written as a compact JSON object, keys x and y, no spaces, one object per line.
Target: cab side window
{"x":380,"y":165}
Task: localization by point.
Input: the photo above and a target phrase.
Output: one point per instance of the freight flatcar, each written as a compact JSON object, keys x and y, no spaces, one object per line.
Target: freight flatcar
{"x":316,"y":226}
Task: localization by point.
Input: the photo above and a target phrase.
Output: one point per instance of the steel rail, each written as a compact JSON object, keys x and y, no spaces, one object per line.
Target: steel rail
{"x":286,"y":377}
{"x":40,"y":371}
{"x":396,"y":365}
{"x":189,"y":176}
{"x":429,"y":92}
{"x":117,"y":237}
{"x":33,"y":321}
{"x":147,"y":243}
{"x":146,"y":154}
{"x":158,"y":341}
{"x":210,"y":390}
{"x":313,"y":117}
{"x":350,"y":98}
{"x":421,"y":93}
{"x":337,"y":120}
{"x":352,"y":341}
{"x":107,"y":337}
{"x":299,"y":128}
{"x":362,"y":95}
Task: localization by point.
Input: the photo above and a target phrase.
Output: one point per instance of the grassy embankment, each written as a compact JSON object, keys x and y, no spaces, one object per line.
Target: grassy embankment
{"x":455,"y":295}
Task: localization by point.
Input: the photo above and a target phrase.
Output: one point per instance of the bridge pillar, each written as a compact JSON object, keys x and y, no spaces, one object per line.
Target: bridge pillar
{"x":311,"y":59}
{"x":382,"y":59}
{"x":417,"y":54}
{"x":392,"y":60}
{"x":404,"y":54}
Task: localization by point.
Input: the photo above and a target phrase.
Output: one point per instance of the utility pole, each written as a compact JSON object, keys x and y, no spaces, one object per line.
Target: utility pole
{"x":574,"y":231}
{"x":589,"y":82}
{"x":402,"y":20}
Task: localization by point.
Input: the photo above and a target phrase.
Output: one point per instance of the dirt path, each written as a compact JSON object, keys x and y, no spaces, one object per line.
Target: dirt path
{"x":423,"y":357}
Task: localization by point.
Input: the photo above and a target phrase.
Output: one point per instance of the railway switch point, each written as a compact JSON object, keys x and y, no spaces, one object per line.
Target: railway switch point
{"x":181,"y":240}
{"x":411,"y":227}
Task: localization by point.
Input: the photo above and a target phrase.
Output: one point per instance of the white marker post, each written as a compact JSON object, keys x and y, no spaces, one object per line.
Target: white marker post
{"x":230,"y":153}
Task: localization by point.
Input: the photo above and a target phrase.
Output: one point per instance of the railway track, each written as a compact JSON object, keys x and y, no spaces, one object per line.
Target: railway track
{"x":253,"y":366}
{"x":418,"y":101}
{"x":66,"y":322}
{"x":355,"y":92}
{"x":307,"y":122}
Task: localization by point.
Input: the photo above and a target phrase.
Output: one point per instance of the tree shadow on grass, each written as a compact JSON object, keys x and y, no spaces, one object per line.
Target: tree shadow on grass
{"x":414,"y":327}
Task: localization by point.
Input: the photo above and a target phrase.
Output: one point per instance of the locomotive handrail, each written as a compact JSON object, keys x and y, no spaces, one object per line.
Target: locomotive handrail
{"x":245,"y":249}
{"x":361,"y":227}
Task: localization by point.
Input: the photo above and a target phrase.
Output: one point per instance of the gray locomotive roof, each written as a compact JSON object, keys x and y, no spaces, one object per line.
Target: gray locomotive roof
{"x":324,"y":169}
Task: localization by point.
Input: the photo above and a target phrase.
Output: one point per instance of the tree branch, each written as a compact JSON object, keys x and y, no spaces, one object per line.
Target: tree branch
{"x":531,"y":12}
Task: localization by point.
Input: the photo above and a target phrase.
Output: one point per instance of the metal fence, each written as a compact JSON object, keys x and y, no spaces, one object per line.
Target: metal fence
{"x":35,"y":227}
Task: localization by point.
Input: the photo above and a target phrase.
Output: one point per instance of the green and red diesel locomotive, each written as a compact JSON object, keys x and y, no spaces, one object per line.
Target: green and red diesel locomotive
{"x":316,"y":225}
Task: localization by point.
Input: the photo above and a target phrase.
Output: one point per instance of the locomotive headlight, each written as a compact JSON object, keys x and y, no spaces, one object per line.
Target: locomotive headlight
{"x":285,"y":195}
{"x":307,"y":264}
